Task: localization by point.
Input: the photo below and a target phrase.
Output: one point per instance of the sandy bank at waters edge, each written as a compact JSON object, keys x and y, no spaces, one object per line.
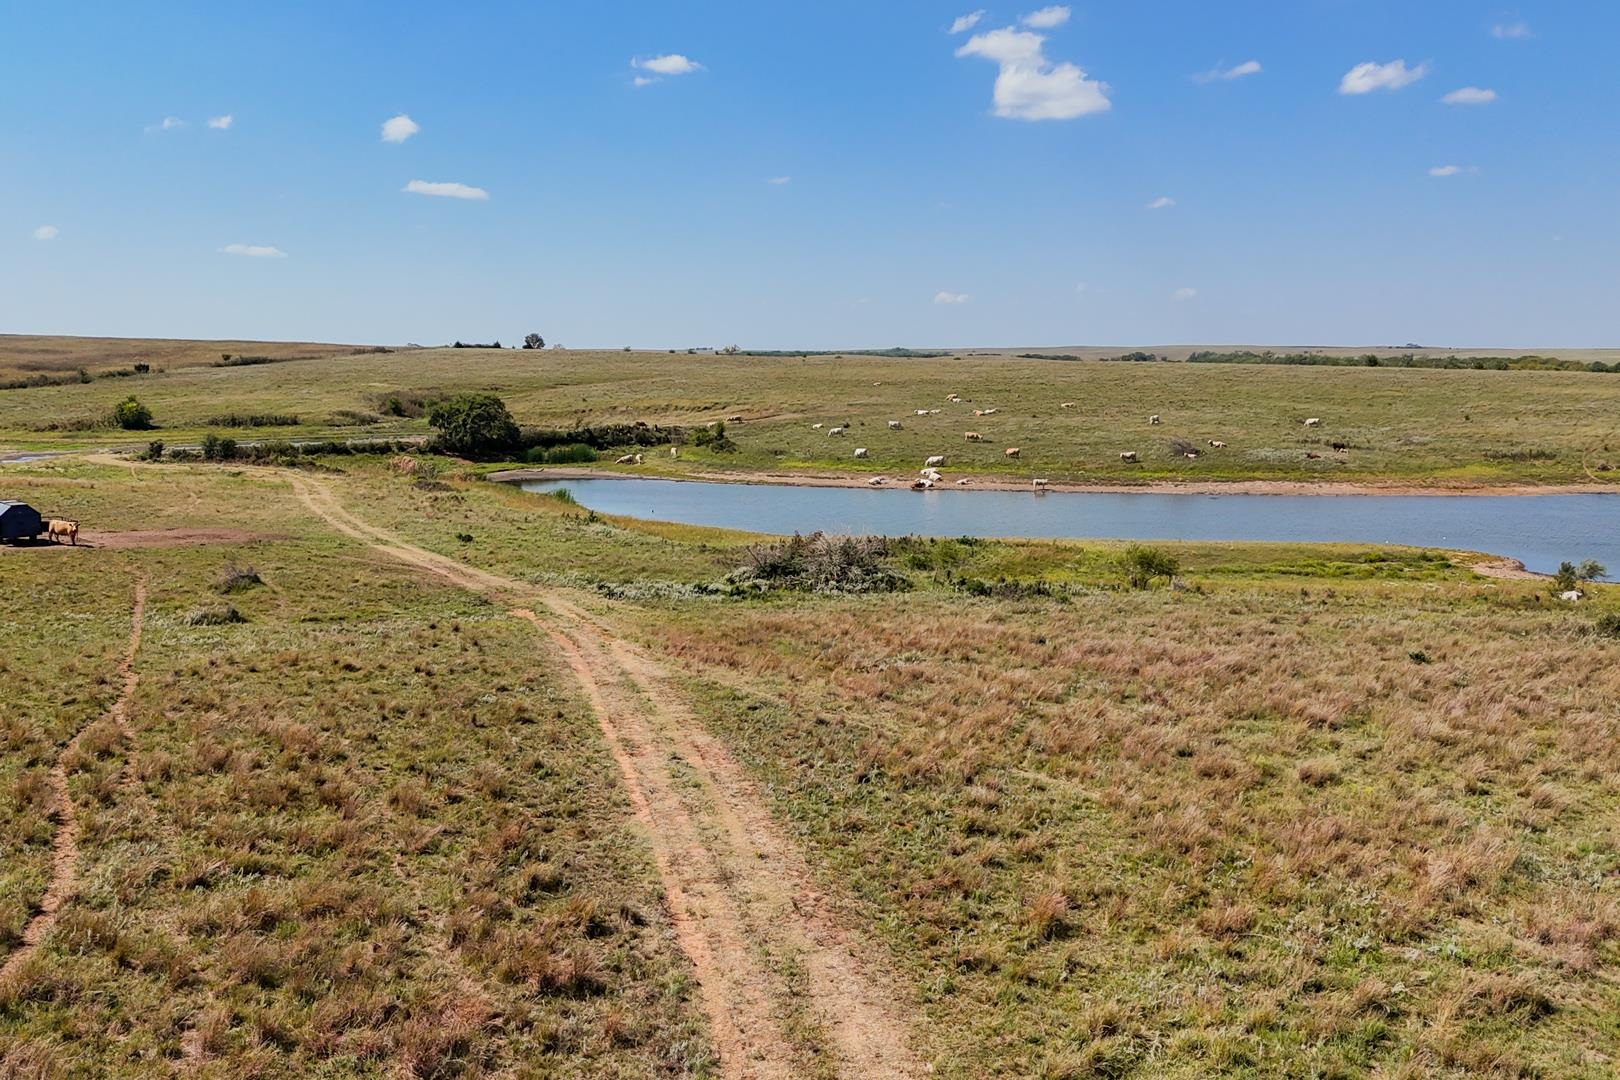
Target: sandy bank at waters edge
{"x":1000,"y":483}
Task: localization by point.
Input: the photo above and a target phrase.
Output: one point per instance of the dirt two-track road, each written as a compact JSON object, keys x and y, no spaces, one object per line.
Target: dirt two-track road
{"x":781,"y":985}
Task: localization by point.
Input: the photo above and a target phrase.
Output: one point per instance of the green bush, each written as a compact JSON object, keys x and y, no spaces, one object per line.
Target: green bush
{"x":713,"y":436}
{"x":1141,"y":565}
{"x":131,"y":415}
{"x":569,"y":454}
{"x":1608,"y":624}
{"x":474,"y":425}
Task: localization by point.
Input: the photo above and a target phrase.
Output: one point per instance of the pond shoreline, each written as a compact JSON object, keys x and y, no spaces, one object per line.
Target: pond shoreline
{"x":997,"y":483}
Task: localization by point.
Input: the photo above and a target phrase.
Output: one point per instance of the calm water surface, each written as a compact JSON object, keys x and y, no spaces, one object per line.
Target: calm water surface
{"x":1539,"y":530}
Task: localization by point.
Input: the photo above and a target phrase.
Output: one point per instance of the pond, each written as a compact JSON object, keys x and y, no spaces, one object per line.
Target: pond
{"x":1539,"y":530}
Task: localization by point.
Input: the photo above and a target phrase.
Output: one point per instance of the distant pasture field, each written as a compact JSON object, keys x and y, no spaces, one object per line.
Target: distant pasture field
{"x":1437,"y":427}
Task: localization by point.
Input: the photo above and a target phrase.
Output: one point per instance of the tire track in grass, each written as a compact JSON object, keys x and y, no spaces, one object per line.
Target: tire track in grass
{"x":779,"y":979}
{"x":65,"y":844}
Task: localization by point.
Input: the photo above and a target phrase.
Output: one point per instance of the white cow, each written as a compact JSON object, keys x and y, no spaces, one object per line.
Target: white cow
{"x":1067,"y":405}
{"x":815,"y":427}
{"x":922,"y":412}
{"x":860,"y":451}
{"x":1216,"y":444}
{"x":1154,"y":419}
{"x":1315,"y":421}
{"x":894,"y":425}
{"x":1127,"y":455}
{"x":934,"y":461}
{"x":1040,"y":482}
{"x":877,"y":481}
{"x":835,"y":431}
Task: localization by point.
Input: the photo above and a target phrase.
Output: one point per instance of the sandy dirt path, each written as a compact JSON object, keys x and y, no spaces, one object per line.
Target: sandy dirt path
{"x":65,"y":844}
{"x":780,"y":979}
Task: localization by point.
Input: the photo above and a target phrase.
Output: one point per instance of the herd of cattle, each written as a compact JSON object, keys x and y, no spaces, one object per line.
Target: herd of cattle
{"x":930,"y":475}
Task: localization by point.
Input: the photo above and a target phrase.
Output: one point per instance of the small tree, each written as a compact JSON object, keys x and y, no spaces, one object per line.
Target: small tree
{"x":1141,"y":565}
{"x":131,"y":415}
{"x":473,"y":424}
{"x":533,"y":341}
{"x":1570,"y":576}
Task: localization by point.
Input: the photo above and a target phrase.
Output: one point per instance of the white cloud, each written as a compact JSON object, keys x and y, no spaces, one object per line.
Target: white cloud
{"x":642,"y":80}
{"x":448,"y":190}
{"x":46,"y":232}
{"x":399,"y":128}
{"x":254,"y":251}
{"x":1047,"y":17}
{"x":1183,"y":294}
{"x":1080,"y":287}
{"x":1227,"y":74}
{"x":668,"y":64}
{"x":1452,"y":170}
{"x":1365,"y":78}
{"x":221,"y":123}
{"x":1470,"y":95}
{"x":951,"y":298}
{"x":168,"y":123}
{"x":1162,"y":202}
{"x":967,"y":22}
{"x":1031,"y":87}
{"x":1511,"y":31}
{"x":779,"y":180}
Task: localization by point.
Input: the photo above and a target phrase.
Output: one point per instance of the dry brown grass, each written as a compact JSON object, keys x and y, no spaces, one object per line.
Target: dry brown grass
{"x":1277,"y":846}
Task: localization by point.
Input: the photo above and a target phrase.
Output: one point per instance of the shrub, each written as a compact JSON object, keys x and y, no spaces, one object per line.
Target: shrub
{"x":131,"y":415}
{"x":235,"y":578}
{"x":224,"y":616}
{"x":476,"y":425}
{"x":1141,"y":565}
{"x":603,"y":437}
{"x":569,"y":454}
{"x":1608,"y":624}
{"x":216,"y":448}
{"x":821,"y":563}
{"x":154,"y":451}
{"x":713,"y":436}
{"x":253,"y":420}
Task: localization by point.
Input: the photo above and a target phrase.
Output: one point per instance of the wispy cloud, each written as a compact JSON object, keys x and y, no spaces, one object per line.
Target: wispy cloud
{"x":1162,"y":202}
{"x":668,"y":64}
{"x":254,"y":251}
{"x":447,"y":190}
{"x":1511,"y":31}
{"x":779,"y":180}
{"x":221,"y":123}
{"x":967,"y":22}
{"x":951,"y":298}
{"x":1227,"y":74}
{"x":1365,"y":78}
{"x":1470,"y":95}
{"x":1080,"y":288}
{"x":1028,"y":85}
{"x":168,"y":123}
{"x":46,"y":232}
{"x":1047,"y":17}
{"x":1453,"y":170}
{"x":1183,"y":294}
{"x":399,"y":128}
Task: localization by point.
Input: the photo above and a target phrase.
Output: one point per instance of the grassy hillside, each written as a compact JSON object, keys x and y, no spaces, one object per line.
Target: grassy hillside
{"x":1326,"y":811}
{"x":22,"y":355}
{"x":1453,"y":427}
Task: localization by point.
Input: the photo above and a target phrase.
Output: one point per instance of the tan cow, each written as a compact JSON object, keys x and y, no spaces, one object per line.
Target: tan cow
{"x":1154,"y":419}
{"x":57,"y":530}
{"x":973,"y":436}
{"x":1013,"y":451}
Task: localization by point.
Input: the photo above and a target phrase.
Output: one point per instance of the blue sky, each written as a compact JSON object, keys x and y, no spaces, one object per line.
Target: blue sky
{"x":1100,"y":173}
